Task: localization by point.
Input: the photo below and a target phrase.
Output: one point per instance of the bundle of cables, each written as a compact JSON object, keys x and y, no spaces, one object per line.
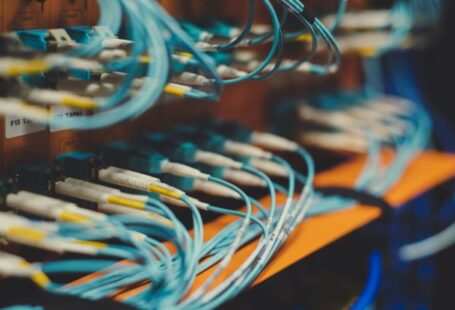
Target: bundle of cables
{"x":406,"y":23}
{"x":143,"y":222}
{"x":110,"y":79}
{"x":163,"y":257}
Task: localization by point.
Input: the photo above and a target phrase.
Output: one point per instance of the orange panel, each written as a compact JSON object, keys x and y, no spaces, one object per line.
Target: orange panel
{"x":427,"y":171}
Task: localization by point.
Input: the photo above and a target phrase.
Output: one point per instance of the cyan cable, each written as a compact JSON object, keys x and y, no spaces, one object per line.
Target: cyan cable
{"x":275,"y":47}
{"x":157,"y":73}
{"x":246,"y":30}
{"x":235,"y":245}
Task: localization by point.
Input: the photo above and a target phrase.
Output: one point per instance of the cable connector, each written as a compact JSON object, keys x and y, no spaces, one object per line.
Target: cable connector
{"x":110,"y":208}
{"x":51,"y":208}
{"x":179,"y":203}
{"x":269,"y":167}
{"x":230,"y":72}
{"x":215,"y":189}
{"x":17,"y":107}
{"x":243,"y":178}
{"x":12,"y":265}
{"x":243,"y":149}
{"x":217,"y":160}
{"x":183,"y":170}
{"x":273,"y":142}
{"x":192,"y":79}
{"x":52,"y":97}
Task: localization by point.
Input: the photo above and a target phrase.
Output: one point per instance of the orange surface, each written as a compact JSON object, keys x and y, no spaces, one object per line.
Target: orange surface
{"x":426,"y":171}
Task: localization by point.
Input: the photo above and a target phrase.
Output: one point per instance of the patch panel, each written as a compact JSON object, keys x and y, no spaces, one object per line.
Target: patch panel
{"x":130,"y":125}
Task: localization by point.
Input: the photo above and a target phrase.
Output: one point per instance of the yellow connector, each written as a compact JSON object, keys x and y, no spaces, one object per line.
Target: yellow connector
{"x":367,"y":51}
{"x":163,"y":191}
{"x":184,"y":54}
{"x":134,"y":204}
{"x":41,"y":279}
{"x":79,"y":103}
{"x":95,"y":244}
{"x":172,"y":89}
{"x":29,"y":67}
{"x":71,"y":217}
{"x":145,"y":59}
{"x":304,"y":38}
{"x":26,"y":233}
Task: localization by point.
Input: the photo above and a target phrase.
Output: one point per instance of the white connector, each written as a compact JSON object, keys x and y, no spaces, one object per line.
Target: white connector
{"x":115,"y":43}
{"x":243,"y":149}
{"x":183,"y":170}
{"x":145,"y":177}
{"x":179,"y":203}
{"x":123,"y":180}
{"x":40,"y":235}
{"x":81,"y":192}
{"x":215,"y":189}
{"x":121,"y":210}
{"x":216,"y":160}
{"x":269,"y":167}
{"x":65,"y":98}
{"x":205,"y":36}
{"x":260,"y":29}
{"x":133,"y":180}
{"x":47,"y":207}
{"x":181,"y":58}
{"x":273,"y":142}
{"x":91,"y":185}
{"x":230,"y":72}
{"x":192,"y":79}
{"x":243,"y":178}
{"x":62,"y":61}
{"x":207,"y":47}
{"x":111,"y":55}
{"x":337,"y":140}
{"x":17,"y":107}
{"x":96,"y":193}
{"x":12,"y":265}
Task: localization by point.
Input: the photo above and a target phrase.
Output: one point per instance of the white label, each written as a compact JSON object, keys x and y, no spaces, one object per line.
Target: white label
{"x":64,"y":113}
{"x":19,"y":126}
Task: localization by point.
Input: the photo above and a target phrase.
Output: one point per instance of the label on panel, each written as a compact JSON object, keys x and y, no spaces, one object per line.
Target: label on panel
{"x":19,"y":126}
{"x":66,"y":114}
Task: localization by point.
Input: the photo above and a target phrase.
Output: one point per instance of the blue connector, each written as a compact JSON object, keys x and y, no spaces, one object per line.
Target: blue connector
{"x":124,"y":155}
{"x":175,"y":149}
{"x":79,"y":165}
